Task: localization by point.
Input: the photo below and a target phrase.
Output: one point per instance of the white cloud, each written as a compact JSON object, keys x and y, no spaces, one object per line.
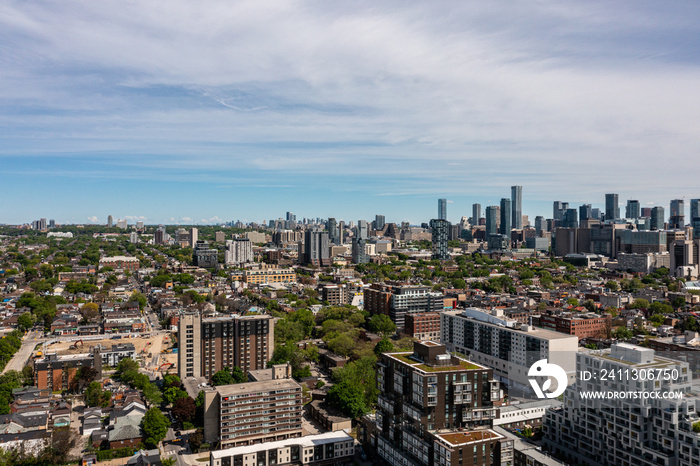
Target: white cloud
{"x":93,"y":219}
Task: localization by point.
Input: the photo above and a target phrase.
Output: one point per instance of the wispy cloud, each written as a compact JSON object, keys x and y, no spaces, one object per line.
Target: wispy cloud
{"x":397,"y":99}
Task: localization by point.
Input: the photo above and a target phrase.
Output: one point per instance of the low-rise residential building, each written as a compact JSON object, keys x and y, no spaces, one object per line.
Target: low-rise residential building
{"x":582,"y":325}
{"x":332,"y":448}
{"x":54,"y":372}
{"x":112,"y":356}
{"x":120,"y":262}
{"x":423,"y":325}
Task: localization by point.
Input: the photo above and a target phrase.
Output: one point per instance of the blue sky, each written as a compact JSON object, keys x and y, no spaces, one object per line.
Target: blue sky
{"x":211,"y":111}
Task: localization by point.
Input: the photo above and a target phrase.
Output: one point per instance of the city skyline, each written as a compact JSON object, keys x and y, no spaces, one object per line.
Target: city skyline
{"x":226,"y":111}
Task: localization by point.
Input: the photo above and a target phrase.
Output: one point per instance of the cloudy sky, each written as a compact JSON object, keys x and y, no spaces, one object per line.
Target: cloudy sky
{"x":206,"y":111}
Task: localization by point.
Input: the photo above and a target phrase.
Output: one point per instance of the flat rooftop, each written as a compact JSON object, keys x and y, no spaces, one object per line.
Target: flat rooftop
{"x":463,"y":365}
{"x":534,"y":332}
{"x":306,"y":441}
{"x":252,"y":387}
{"x":455,"y":439}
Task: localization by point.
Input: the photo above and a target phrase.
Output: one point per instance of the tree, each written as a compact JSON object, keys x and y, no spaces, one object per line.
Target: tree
{"x":184,"y":409}
{"x":383,"y":346}
{"x":85,"y":375}
{"x":89,"y":311}
{"x":382,"y":324}
{"x":222,"y":377}
{"x":127,"y":364}
{"x":343,"y":344}
{"x":238,"y":375}
{"x":173,"y":393}
{"x":153,"y":396}
{"x":95,"y":396}
{"x":658,"y":307}
{"x":171,"y":380}
{"x":622,"y":333}
{"x":612,"y":285}
{"x":196,"y":440}
{"x":138,"y":296}
{"x":25,"y":321}
{"x":348,"y":398}
{"x":639,"y":303}
{"x":155,"y":426}
{"x":63,"y":440}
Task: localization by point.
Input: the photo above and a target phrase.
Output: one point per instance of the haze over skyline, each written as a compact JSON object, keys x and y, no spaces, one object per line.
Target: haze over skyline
{"x":219,"y":111}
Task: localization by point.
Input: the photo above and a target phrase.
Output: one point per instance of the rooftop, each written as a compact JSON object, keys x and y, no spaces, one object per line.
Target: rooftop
{"x":251,"y":387}
{"x":455,"y":439}
{"x":306,"y":441}
{"x":463,"y":364}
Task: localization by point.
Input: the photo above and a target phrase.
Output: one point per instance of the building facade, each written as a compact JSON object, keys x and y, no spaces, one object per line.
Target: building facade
{"x":435,"y":409}
{"x":440,"y":234}
{"x":252,"y":413}
{"x":238,"y":251}
{"x":54,"y":372}
{"x":635,"y":431}
{"x":207,"y":345}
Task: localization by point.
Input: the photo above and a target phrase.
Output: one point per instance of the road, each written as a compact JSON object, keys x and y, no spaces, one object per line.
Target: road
{"x":21,"y":357}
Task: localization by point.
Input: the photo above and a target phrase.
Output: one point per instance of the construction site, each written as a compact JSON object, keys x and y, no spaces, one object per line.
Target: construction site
{"x":155,"y":350}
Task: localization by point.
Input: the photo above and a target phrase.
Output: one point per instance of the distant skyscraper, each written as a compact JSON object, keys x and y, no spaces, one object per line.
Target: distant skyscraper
{"x":362,"y":229}
{"x":557,"y":207}
{"x":52,"y":223}
{"x":657,"y":218}
{"x":139,"y":225}
{"x":516,"y":199}
{"x":612,"y":207}
{"x":291,"y":217}
{"x":316,"y":248}
{"x":492,"y":213}
{"x":194,"y":236}
{"x":585,"y":212}
{"x":442,"y":209}
{"x":677,"y":217}
{"x":476,"y":213}
{"x":694,"y":208}
{"x":695,"y":217}
{"x":595,"y":213}
{"x":441,"y":231}
{"x":379,"y":222}
{"x":540,"y":225}
{"x":632,"y":209}
{"x":359,"y":254}
{"x":646,"y":212}
{"x":333,"y":236}
{"x":110,"y":221}
{"x":506,"y":214}
{"x":569,"y":220}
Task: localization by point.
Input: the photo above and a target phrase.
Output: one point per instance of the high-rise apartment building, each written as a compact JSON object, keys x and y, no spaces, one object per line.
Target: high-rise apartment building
{"x":207,"y":345}
{"x":570,"y":219}
{"x":695,"y":217}
{"x":359,"y":251}
{"x":435,"y":409}
{"x":442,"y":209}
{"x":612,"y":206}
{"x":677,"y":218}
{"x":194,"y":236}
{"x":633,"y":209}
{"x":506,"y":225}
{"x":110,"y":221}
{"x":642,"y":430}
{"x":316,"y":249}
{"x":657,"y":218}
{"x":476,"y":213}
{"x":440,"y":231}
{"x":398,"y":300}
{"x":506,"y":346}
{"x":268,"y":409}
{"x":557,"y":210}
{"x":238,"y":251}
{"x":516,"y":200}
{"x":493,"y":213}
{"x":362,"y":229}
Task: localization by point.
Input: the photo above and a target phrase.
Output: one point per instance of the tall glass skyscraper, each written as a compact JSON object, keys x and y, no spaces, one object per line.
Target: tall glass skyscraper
{"x":442,"y":209}
{"x":612,"y":207}
{"x":492,"y":213}
{"x":632,"y":209}
{"x":506,"y":214}
{"x":516,"y":199}
{"x":657,"y":218}
{"x":476,"y":213}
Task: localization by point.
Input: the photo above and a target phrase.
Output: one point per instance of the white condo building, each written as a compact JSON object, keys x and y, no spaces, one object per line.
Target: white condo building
{"x":632,"y":430}
{"x":238,"y":251}
{"x":506,"y":346}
